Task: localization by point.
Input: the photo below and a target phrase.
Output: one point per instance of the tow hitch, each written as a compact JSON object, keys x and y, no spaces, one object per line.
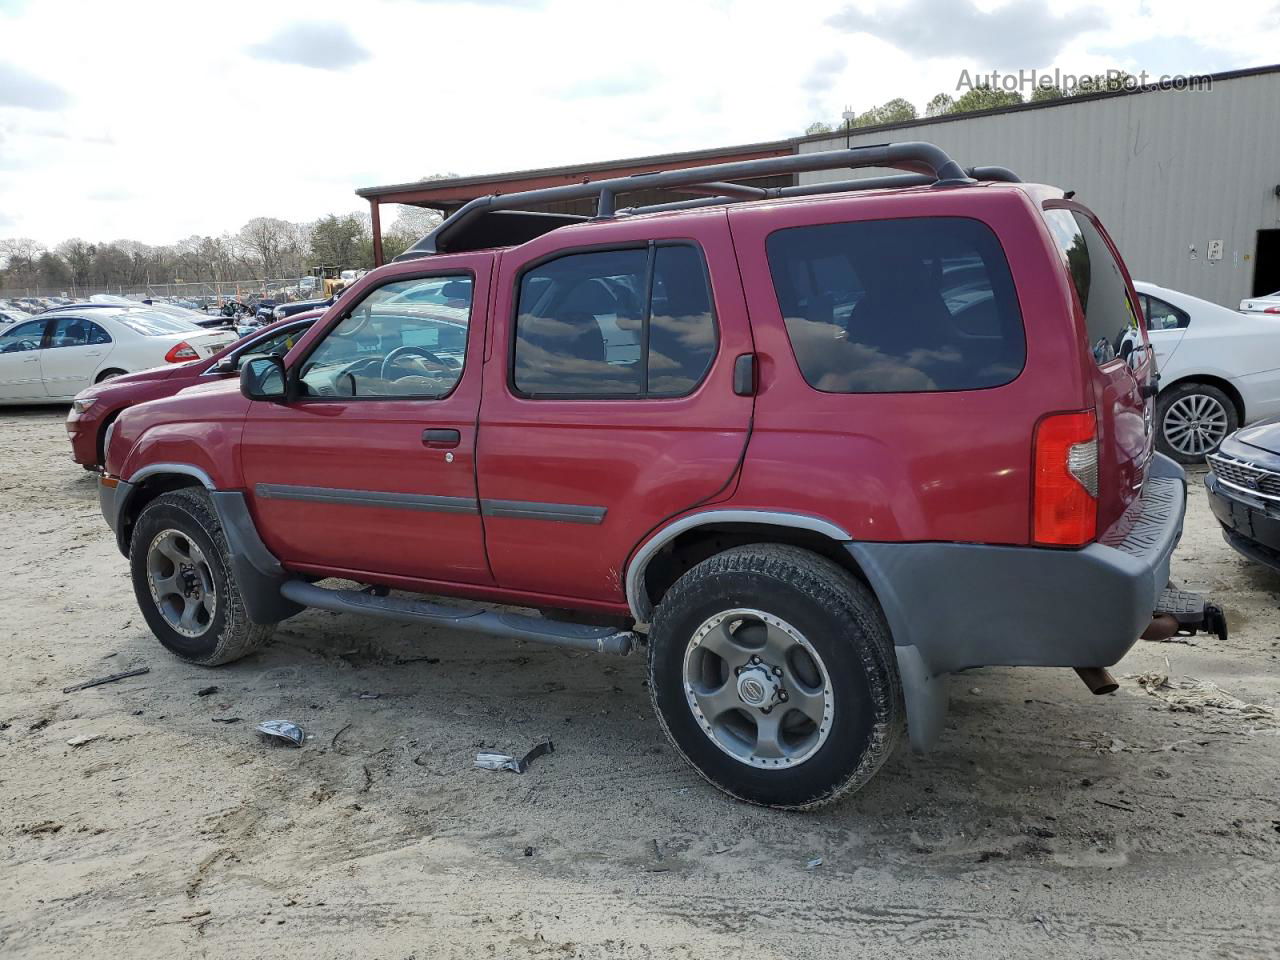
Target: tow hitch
{"x":1185,"y":613}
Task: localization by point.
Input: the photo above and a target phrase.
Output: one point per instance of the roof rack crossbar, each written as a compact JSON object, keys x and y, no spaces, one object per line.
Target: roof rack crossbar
{"x":915,"y":156}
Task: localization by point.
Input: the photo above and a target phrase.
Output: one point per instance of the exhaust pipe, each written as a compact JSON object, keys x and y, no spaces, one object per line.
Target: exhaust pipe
{"x":1161,"y":628}
{"x":1098,"y":680}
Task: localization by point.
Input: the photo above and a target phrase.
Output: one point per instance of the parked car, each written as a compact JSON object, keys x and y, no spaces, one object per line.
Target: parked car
{"x":9,"y":315}
{"x":54,"y":356}
{"x":815,"y":453}
{"x":1244,"y":492}
{"x":1270,"y":303}
{"x":95,"y":408}
{"x":1218,"y":369}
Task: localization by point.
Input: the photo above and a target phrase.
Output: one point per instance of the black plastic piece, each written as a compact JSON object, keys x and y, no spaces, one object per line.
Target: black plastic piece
{"x":1193,"y":613}
{"x":744,"y":375}
{"x":441,"y":437}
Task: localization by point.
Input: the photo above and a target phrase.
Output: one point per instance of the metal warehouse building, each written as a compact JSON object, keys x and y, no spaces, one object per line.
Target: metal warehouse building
{"x":1187,"y":181}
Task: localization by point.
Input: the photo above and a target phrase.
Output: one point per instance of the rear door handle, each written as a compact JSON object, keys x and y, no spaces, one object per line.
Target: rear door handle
{"x":436,"y":437}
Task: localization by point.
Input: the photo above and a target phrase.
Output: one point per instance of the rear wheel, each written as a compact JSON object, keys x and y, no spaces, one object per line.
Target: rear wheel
{"x":1194,"y":419}
{"x":772,"y":671}
{"x":106,"y":375}
{"x":183,"y":583}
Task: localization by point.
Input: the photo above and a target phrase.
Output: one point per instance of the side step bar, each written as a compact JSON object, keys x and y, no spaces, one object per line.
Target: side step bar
{"x":515,"y":626}
{"x":1186,"y":613}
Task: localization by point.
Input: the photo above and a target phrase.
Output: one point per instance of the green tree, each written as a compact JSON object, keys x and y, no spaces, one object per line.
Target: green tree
{"x":941,"y":104}
{"x":983,"y":97}
{"x":340,"y":242}
{"x":896,"y":110}
{"x":1043,"y":93}
{"x":818,"y":126}
{"x":1107,"y":82}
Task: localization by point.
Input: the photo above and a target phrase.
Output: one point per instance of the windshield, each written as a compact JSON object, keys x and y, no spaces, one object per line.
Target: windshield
{"x":152,"y":323}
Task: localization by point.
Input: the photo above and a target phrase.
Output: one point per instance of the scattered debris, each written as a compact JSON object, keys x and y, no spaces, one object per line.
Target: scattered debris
{"x":333,"y":744}
{"x":502,"y":761}
{"x":83,"y":739}
{"x":1101,"y":743}
{"x":109,"y":679}
{"x":226,"y":719}
{"x":44,"y":826}
{"x":1195,"y":696}
{"x":369,"y":696}
{"x":40,"y":724}
{"x":5,"y":726}
{"x":282,"y":729}
{"x":206,"y":691}
{"x":528,"y":851}
{"x":1115,"y":806}
{"x":1039,"y":918}
{"x":402,"y":661}
{"x":657,"y":851}
{"x":813,"y":864}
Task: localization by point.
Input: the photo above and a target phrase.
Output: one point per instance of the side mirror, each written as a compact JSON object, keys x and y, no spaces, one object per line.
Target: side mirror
{"x":225,"y":365}
{"x":263,"y":378}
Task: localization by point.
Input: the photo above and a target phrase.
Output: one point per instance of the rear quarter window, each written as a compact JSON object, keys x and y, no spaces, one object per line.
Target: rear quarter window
{"x":898,"y":306}
{"x":1109,"y":317}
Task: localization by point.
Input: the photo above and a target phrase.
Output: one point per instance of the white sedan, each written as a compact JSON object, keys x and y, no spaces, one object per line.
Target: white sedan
{"x":1268,"y":303}
{"x":52,"y":357}
{"x":1219,"y":370}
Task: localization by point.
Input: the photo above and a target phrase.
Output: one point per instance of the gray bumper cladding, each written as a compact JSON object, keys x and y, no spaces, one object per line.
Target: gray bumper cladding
{"x":957,"y":605}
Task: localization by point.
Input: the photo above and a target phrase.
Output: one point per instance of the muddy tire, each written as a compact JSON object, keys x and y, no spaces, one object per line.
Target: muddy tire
{"x":772,"y":672}
{"x":1192,"y":420}
{"x":182,"y":578}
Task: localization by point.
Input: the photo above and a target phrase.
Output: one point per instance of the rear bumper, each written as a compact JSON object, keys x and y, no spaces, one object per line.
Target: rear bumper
{"x":1251,"y":525}
{"x":956,"y":605}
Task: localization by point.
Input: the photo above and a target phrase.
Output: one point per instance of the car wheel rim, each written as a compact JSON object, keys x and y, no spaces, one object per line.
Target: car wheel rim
{"x":181,"y":583}
{"x":1195,"y":424}
{"x":758,"y":689}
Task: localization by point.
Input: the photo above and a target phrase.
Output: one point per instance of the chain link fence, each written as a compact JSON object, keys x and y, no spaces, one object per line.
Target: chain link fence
{"x":201,"y":292}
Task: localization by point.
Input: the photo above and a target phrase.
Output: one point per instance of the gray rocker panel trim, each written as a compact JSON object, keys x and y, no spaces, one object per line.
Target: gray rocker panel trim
{"x":366,"y":498}
{"x":638,"y":599}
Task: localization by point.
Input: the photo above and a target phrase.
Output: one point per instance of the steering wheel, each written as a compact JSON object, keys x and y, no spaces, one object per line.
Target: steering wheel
{"x":20,"y":345}
{"x":407,"y":350}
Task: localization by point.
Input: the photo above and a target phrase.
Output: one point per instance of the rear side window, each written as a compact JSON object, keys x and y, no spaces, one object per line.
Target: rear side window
{"x":1162,"y":315}
{"x":1109,"y":316}
{"x":616,"y":323}
{"x":898,"y":306}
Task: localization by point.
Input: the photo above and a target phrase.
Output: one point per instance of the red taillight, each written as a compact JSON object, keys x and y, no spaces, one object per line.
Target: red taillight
{"x":1065,"y":498}
{"x":181,"y":353}
{"x":1272,"y":310}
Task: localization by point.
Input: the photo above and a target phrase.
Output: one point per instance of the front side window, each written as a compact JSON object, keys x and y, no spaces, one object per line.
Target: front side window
{"x":616,"y":323}
{"x":1162,"y":315}
{"x":1109,"y":317}
{"x":76,"y":332}
{"x":25,"y":336}
{"x":387,"y":346}
{"x":898,"y":306}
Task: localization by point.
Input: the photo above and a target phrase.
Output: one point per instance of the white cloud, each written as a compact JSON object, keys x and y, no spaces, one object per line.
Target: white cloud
{"x":171,"y":126}
{"x":325,"y":46}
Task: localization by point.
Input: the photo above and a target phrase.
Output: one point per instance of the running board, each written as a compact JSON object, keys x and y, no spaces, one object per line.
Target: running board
{"x":1192,"y":613}
{"x":514,"y":626}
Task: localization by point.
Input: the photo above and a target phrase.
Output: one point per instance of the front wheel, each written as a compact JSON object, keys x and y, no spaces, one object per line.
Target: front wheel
{"x":773,"y":673}
{"x":183,"y":583}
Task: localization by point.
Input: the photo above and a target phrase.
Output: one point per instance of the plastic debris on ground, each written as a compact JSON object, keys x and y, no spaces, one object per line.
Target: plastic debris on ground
{"x":1196,"y":696}
{"x":813,"y":864}
{"x":283,"y":730}
{"x":503,"y":761}
{"x":99,"y":681}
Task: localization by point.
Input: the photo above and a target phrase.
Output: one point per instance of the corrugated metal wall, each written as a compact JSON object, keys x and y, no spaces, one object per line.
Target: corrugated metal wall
{"x":1165,"y":170}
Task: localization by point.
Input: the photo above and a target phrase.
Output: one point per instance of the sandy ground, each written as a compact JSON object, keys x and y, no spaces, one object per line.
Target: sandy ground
{"x":1048,"y":822}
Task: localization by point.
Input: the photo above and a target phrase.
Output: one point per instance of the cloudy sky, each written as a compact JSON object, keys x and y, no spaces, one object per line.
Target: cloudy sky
{"x":158,"y":120}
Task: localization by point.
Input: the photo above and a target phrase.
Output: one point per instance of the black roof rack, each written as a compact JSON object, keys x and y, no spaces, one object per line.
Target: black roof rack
{"x":470,"y":227}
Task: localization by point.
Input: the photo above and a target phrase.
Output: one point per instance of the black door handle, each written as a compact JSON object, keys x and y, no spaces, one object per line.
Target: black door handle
{"x":441,"y":438}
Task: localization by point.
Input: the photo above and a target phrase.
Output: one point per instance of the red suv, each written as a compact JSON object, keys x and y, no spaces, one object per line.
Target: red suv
{"x":814,"y":447}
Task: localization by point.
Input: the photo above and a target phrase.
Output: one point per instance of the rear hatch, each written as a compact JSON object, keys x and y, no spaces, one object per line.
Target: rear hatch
{"x":1118,"y":358}
{"x":207,"y":344}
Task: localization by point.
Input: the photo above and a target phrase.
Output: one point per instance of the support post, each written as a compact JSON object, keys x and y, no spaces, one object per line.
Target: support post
{"x":377,"y":231}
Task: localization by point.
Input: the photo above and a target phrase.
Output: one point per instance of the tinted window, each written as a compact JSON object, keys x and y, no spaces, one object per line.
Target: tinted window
{"x":587,"y":322}
{"x":76,"y":332}
{"x":25,"y":336}
{"x":1162,"y":315}
{"x":389,"y":347}
{"x":888,"y":306}
{"x":1109,"y":318}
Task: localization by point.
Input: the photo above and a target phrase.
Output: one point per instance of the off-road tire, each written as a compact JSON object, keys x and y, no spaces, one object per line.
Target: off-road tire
{"x":839,"y":616}
{"x":1168,"y":398}
{"x":230,"y":634}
